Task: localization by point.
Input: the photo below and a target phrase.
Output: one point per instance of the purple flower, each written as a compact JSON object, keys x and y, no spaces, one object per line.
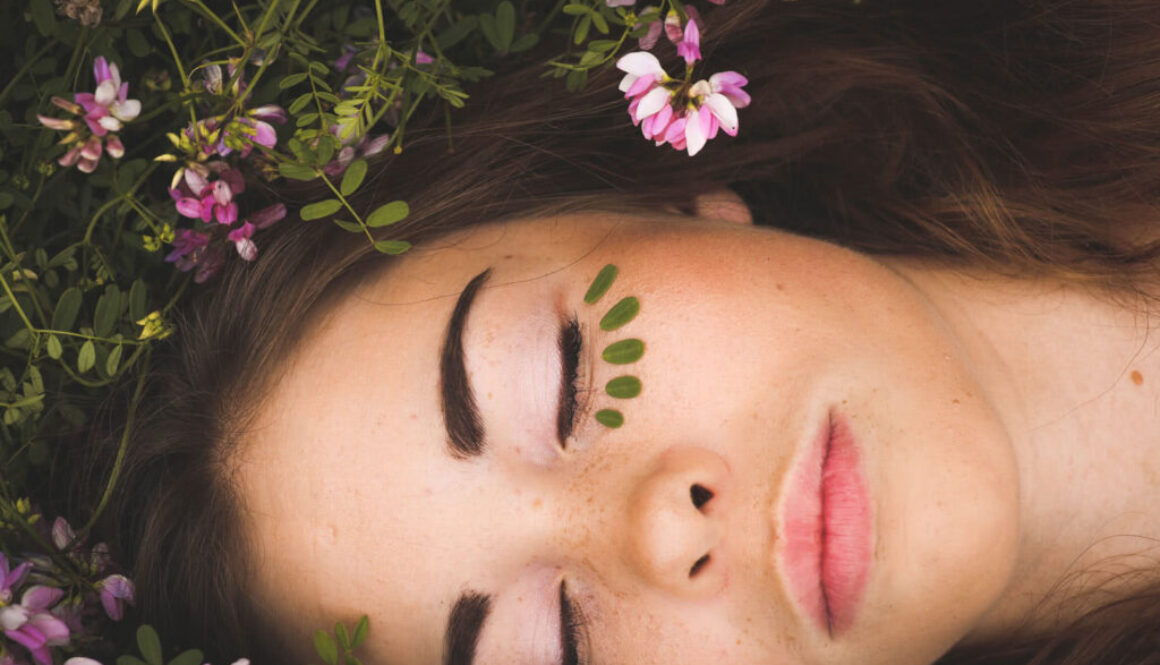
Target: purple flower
{"x":31,"y":624}
{"x":101,"y":114}
{"x":689,"y":48}
{"x":198,"y":198}
{"x":115,"y":591}
{"x":188,"y":249}
{"x":10,"y":578}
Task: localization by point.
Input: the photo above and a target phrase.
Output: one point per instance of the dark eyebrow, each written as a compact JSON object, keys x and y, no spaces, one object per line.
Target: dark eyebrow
{"x":463,"y":628}
{"x":460,"y":414}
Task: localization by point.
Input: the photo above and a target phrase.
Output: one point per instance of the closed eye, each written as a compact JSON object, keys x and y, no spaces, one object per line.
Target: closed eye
{"x":570,"y":343}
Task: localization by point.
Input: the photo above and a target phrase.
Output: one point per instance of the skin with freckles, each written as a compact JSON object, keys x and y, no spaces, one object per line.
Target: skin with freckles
{"x":355,"y":505}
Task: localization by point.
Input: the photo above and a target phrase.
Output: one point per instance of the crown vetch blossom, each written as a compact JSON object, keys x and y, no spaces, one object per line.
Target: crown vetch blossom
{"x":101,"y":114}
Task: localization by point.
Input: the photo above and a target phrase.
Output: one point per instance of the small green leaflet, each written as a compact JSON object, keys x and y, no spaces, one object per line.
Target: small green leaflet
{"x":87,"y":357}
{"x":296,"y":171}
{"x":620,"y":314}
{"x":320,"y":209}
{"x":392,"y":246}
{"x":610,"y":418}
{"x":623,"y":387}
{"x":623,"y":352}
{"x":601,"y":284}
{"x":388,"y":214}
{"x":353,"y":177}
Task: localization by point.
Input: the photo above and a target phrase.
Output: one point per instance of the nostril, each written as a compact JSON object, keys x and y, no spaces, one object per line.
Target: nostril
{"x":701,"y":495}
{"x":698,"y":566}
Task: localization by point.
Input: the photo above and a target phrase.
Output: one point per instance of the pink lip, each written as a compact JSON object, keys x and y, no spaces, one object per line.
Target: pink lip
{"x":827,"y":528}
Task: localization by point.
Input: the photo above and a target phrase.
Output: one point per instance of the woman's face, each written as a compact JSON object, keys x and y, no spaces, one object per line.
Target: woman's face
{"x":809,"y":473}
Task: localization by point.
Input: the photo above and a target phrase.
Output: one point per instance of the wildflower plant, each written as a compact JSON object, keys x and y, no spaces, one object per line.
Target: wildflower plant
{"x":136,"y":139}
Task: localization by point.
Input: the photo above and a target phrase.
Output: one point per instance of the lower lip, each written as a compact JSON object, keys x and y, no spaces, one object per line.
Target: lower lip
{"x":826,"y":526}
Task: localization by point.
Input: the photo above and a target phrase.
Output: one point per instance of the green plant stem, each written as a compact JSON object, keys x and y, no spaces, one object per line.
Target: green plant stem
{"x":24,"y":70}
{"x":357,"y":218}
{"x":213,"y":17}
{"x":115,"y":474}
{"x":16,"y":305}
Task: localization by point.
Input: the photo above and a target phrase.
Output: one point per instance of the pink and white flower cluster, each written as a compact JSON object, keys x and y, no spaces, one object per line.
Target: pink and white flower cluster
{"x":101,"y":115}
{"x":685,"y":115}
{"x":205,"y":192}
{"x":36,"y":613}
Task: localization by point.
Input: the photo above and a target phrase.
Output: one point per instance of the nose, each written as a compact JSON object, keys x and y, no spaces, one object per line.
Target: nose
{"x":677,"y":523}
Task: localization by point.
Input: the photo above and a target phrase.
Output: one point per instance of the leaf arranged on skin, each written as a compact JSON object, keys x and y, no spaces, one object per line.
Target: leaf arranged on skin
{"x":623,"y":352}
{"x":620,"y":314}
{"x":610,"y":418}
{"x":360,"y":631}
{"x":601,"y":284}
{"x":623,"y":387}
{"x":325,"y":646}
{"x":320,"y":209}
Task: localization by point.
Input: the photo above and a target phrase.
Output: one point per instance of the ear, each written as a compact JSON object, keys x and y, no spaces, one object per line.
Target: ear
{"x":723,"y":205}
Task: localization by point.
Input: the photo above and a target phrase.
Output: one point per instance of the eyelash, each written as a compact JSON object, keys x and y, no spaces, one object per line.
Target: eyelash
{"x":571,"y":343}
{"x":572,"y":620}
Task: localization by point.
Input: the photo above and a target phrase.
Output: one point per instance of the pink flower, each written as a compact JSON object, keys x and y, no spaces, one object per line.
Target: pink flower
{"x":241,"y":239}
{"x":689,"y":48}
{"x":197,"y":198}
{"x":115,"y":591}
{"x":31,"y":624}
{"x":101,"y":114}
{"x":10,"y":578}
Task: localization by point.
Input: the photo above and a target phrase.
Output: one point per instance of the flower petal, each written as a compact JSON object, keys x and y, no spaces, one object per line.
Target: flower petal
{"x":110,"y":124}
{"x":40,"y":597}
{"x":106,"y":93}
{"x":652,"y":102}
{"x":126,"y":110}
{"x":724,"y":111}
{"x":640,"y":63}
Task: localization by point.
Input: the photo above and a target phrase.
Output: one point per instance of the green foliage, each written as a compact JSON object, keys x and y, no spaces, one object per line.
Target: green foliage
{"x":340,"y":647}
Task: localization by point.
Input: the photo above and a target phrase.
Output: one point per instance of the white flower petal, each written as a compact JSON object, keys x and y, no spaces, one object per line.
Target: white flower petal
{"x":640,"y":63}
{"x":106,"y":93}
{"x":110,"y":123}
{"x":126,"y":110}
{"x":652,"y":102}
{"x":626,"y":82}
{"x":723,"y":109}
{"x":694,"y":134}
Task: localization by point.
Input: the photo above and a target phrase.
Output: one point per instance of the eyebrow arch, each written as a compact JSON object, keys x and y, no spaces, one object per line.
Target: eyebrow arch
{"x":460,"y":413}
{"x":463,"y":628}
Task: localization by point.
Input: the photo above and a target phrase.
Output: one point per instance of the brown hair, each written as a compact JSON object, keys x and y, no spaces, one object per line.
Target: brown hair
{"x":1022,"y":137}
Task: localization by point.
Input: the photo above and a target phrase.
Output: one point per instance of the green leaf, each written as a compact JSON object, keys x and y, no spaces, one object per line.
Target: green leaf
{"x":505,"y":24}
{"x":610,"y":418}
{"x":353,"y":177}
{"x":325,"y":646}
{"x":360,"y":632}
{"x":296,"y":171}
{"x":453,"y":35}
{"x":67,"y":308}
{"x":388,"y":214}
{"x":21,"y":339}
{"x":326,"y":147}
{"x":42,"y":16}
{"x":525,"y":42}
{"x":150,"y":645}
{"x":113,"y":362}
{"x":291,"y":80}
{"x":623,"y":352}
{"x":138,"y":300}
{"x":600,"y":23}
{"x":620,"y":314}
{"x":623,"y":387}
{"x":487,"y":26}
{"x":576,"y":9}
{"x":87,"y":357}
{"x":392,"y":246}
{"x":320,"y":209}
{"x":300,"y":103}
{"x":188,"y":657}
{"x":105,"y":316}
{"x":582,"y":29}
{"x":342,"y":635}
{"x":352,"y":227}
{"x":55,"y":350}
{"x":138,"y":45}
{"x":600,"y":285}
